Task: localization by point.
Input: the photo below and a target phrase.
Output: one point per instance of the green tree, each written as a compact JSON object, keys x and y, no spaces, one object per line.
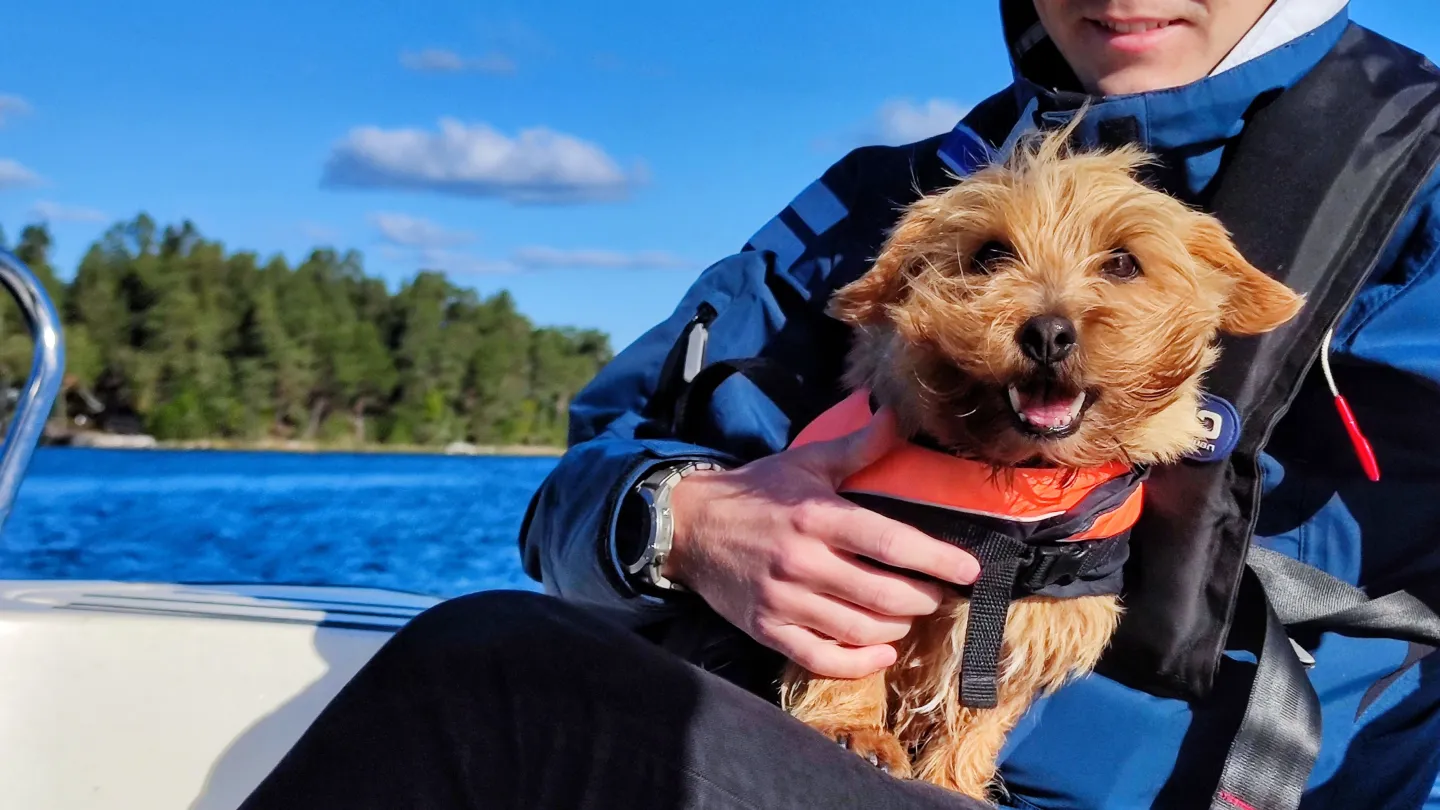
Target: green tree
{"x":199,"y":342}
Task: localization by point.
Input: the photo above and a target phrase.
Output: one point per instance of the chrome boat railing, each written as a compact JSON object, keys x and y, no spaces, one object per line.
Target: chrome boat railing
{"x":43,"y":386}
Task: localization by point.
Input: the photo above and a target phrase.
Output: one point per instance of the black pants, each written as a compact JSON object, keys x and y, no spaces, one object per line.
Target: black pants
{"x":514,"y":700}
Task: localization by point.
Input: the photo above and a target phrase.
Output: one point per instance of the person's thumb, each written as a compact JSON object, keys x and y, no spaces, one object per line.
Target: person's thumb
{"x":839,"y":458}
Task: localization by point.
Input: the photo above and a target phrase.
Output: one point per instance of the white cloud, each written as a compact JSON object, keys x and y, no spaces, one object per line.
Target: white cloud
{"x":529,"y":259}
{"x":895,"y":123}
{"x":542,"y":258}
{"x":448,"y":260}
{"x":433,"y":59}
{"x":465,"y":264}
{"x":13,"y":175}
{"x":614,"y":63}
{"x":408,"y":231}
{"x":538,"y":165}
{"x":902,"y":121}
{"x":440,"y":60}
{"x":57,"y":212}
{"x":11,"y":106}
{"x":318,"y":232}
{"x":514,"y":36}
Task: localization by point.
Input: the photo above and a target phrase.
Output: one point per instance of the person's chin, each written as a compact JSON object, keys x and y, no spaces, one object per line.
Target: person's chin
{"x":1141,"y":77}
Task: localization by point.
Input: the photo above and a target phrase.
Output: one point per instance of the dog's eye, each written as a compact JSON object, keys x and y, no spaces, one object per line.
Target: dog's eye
{"x":990,"y":255}
{"x":1121,"y":265}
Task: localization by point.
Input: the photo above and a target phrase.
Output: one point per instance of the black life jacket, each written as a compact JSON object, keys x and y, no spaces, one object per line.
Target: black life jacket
{"x":1312,"y":193}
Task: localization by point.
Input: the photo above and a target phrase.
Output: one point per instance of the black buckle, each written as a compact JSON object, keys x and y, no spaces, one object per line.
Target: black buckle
{"x":1058,"y":564}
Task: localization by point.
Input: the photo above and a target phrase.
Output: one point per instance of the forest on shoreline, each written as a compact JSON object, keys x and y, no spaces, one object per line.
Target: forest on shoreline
{"x":170,"y":334}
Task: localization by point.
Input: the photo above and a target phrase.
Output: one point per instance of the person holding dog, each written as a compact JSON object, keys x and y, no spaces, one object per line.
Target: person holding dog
{"x":687,"y":553}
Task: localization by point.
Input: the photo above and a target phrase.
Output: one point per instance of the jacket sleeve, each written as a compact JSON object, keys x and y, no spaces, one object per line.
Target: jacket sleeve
{"x":567,"y":540}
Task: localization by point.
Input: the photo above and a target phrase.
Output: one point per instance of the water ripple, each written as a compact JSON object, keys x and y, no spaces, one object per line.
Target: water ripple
{"x":430,"y":524}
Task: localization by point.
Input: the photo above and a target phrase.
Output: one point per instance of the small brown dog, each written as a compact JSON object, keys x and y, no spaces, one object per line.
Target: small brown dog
{"x":1051,"y":311}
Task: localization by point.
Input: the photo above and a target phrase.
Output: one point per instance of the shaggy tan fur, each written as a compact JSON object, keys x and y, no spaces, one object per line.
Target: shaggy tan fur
{"x":936,"y":339}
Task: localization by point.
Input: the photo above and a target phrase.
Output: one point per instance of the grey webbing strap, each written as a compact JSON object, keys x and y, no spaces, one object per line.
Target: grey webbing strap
{"x":1271,"y":756}
{"x":1308,"y":599}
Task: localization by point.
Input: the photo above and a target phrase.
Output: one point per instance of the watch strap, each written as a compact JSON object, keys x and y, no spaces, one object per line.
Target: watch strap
{"x":655,"y":491}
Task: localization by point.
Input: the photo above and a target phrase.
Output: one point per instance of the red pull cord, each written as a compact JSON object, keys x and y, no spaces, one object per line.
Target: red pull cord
{"x":1363,"y":451}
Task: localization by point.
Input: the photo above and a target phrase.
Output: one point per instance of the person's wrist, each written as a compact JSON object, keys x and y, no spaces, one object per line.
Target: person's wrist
{"x":686,"y":513}
{"x":642,"y":539}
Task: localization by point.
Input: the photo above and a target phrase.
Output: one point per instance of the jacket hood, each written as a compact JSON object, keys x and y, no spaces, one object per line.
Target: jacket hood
{"x":1032,"y":55}
{"x":1188,"y":125}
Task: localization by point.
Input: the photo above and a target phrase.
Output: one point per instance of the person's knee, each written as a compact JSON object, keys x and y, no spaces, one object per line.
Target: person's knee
{"x":512,"y":624}
{"x":515,"y":630}
{"x":486,"y":619}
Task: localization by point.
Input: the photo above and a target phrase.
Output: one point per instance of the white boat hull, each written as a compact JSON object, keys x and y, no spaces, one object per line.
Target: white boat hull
{"x":156,"y":696}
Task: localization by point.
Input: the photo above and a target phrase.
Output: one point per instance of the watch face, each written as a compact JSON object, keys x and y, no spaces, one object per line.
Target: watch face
{"x":632,"y":532}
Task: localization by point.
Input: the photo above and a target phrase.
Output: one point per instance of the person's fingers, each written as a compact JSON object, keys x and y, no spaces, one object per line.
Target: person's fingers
{"x":824,"y":657}
{"x":843,"y":525}
{"x":840,"y":458}
{"x":843,"y":621}
{"x":845,"y":577}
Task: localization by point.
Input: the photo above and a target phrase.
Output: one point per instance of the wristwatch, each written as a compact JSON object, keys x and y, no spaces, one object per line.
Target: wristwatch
{"x":646,"y":528}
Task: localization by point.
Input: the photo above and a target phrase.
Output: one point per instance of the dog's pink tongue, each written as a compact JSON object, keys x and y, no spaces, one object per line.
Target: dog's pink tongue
{"x":1046,"y":411}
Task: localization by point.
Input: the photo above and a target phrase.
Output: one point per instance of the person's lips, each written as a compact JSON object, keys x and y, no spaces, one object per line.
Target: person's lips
{"x":1133,"y":35}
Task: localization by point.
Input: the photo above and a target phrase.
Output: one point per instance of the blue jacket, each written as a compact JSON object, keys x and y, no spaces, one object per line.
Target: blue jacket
{"x":1097,"y":743}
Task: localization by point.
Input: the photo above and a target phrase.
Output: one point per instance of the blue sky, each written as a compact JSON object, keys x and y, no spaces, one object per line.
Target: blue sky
{"x":589,"y":157}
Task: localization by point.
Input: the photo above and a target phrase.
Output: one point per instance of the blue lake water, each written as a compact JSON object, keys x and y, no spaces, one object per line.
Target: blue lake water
{"x":441,"y":525}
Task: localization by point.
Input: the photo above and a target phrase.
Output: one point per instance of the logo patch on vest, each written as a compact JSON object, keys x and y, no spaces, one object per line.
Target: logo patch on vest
{"x":1221,"y":423}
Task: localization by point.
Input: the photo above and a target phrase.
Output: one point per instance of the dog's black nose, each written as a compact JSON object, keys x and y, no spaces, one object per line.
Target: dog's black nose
{"x":1047,"y":339}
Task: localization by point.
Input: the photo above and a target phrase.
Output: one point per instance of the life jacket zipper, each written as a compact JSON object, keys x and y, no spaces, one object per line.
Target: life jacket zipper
{"x":697,"y":341}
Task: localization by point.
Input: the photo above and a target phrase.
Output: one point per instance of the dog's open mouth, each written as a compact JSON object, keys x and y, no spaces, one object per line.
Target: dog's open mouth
{"x":1047,"y":410}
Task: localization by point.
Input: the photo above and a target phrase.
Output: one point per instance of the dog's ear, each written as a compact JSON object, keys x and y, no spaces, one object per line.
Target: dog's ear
{"x":866,"y":300}
{"x":1256,"y":302}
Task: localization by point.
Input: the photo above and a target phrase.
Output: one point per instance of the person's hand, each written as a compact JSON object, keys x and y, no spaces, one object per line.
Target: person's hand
{"x":774,"y":550}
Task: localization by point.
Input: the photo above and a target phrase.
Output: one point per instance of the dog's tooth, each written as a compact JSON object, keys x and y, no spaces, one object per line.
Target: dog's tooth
{"x":1014,"y":394}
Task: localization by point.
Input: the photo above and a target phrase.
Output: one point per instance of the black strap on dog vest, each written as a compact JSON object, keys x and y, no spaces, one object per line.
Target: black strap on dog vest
{"x":999,"y":558}
{"x":1010,"y":568}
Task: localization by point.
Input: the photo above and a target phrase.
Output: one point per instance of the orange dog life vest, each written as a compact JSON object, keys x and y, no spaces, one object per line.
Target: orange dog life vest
{"x":1035,"y":531}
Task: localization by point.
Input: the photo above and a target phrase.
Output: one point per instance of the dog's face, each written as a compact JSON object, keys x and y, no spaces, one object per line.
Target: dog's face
{"x":1054,"y":310}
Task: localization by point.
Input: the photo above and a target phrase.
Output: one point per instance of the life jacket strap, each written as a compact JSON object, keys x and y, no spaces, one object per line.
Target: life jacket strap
{"x":1053,"y":566}
{"x":1010,"y":568}
{"x":1013,"y":569}
{"x":990,"y":596}
{"x":1047,"y":570}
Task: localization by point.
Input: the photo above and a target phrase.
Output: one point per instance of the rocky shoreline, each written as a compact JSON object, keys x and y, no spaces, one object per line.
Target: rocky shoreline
{"x":118,"y":441}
